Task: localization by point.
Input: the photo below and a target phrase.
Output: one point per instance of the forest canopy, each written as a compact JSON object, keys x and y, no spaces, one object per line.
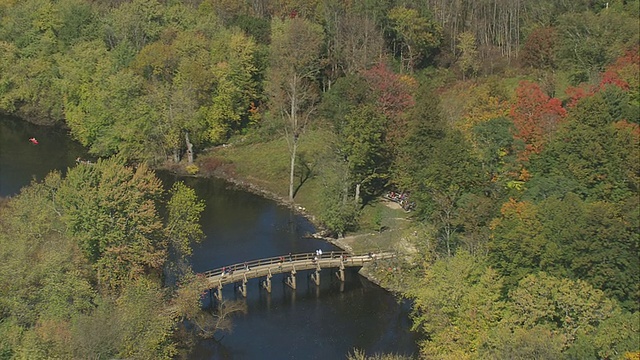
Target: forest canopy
{"x":513,"y":125}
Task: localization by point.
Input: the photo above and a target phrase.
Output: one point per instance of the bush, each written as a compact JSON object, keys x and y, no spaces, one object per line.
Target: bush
{"x":192,"y":169}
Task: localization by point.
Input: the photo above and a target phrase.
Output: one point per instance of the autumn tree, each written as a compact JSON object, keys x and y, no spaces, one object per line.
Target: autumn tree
{"x":295,"y":63}
{"x":468,"y":54}
{"x":111,"y":211}
{"x":393,"y":95}
{"x":121,"y":235}
{"x":536,"y":117}
{"x":539,"y":49}
{"x":569,"y":306}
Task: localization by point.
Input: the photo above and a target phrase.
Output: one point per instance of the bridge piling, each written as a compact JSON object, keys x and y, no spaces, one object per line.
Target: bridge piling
{"x":291,"y":280}
{"x":340,"y":273}
{"x":267,"y":282}
{"x":264,"y":268}
{"x":242,"y":288}
{"x":316,"y":276}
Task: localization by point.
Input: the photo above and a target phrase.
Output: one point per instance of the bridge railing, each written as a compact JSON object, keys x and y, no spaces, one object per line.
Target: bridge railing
{"x":276,"y":260}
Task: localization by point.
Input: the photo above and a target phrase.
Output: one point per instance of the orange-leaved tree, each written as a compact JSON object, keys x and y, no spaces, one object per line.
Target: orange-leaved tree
{"x":536,"y":117}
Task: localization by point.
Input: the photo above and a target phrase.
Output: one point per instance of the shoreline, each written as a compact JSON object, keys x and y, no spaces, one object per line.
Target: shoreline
{"x":365,"y":271}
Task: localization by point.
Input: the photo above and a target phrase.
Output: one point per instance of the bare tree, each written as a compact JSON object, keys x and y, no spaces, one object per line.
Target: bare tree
{"x":209,"y":322}
{"x":359,"y":43}
{"x":293,"y":89}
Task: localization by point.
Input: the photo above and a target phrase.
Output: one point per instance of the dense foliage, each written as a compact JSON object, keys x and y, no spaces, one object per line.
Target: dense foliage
{"x":513,"y":125}
{"x":83,"y":264}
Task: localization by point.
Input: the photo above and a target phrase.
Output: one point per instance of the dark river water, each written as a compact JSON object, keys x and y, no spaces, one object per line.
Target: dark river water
{"x":310,"y":323}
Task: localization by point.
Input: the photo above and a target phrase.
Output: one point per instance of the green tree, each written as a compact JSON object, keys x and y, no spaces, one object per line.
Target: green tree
{"x":517,"y":241}
{"x":36,"y":255}
{"x":456,"y":303}
{"x":468,"y":54}
{"x":588,"y":41}
{"x":144,"y":329}
{"x":521,"y":344}
{"x":237,"y":79}
{"x":135,"y":23}
{"x":416,"y":35}
{"x":295,"y":63}
{"x":451,"y":171}
{"x":110,"y":210}
{"x":570,"y":307}
{"x":496,"y":149}
{"x":592,"y":151}
{"x":59,"y":239}
{"x":364,"y":149}
{"x":183,"y":225}
{"x":614,"y":337}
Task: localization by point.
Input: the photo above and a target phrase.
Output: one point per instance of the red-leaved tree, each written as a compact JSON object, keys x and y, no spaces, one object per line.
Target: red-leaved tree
{"x":536,"y":117}
{"x":623,"y":73}
{"x":394,"y":95}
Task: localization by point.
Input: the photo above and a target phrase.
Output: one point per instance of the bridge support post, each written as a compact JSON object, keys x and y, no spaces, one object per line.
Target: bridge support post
{"x":243,"y":287}
{"x":316,"y":276}
{"x":340,"y":273}
{"x":218,"y":293}
{"x":267,"y":282}
{"x":291,"y":280}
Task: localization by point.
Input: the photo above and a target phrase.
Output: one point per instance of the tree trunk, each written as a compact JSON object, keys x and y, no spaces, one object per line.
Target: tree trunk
{"x":294,"y":148}
{"x":357,"y":197}
{"x":293,"y":118}
{"x":189,"y":147}
{"x":176,"y":155}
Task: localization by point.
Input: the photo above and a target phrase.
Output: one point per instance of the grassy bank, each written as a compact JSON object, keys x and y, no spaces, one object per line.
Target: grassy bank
{"x":264,"y":167}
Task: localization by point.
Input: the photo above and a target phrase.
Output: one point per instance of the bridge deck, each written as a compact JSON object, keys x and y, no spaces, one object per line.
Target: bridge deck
{"x":286,"y":264}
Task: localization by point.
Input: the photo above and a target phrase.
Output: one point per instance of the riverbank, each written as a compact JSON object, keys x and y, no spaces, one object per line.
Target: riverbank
{"x":396,"y":235}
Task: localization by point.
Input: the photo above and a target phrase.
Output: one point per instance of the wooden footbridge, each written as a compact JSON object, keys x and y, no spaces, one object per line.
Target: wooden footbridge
{"x":239,"y":274}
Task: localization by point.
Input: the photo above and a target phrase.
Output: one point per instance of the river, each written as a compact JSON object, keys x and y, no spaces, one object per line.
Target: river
{"x":310,"y":323}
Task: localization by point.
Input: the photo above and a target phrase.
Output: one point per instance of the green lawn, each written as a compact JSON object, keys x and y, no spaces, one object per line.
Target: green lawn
{"x":266,"y":165}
